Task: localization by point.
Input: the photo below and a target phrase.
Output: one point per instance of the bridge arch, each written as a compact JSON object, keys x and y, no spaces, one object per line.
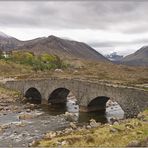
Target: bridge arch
{"x":58,"y":95}
{"x":99,"y":103}
{"x":33,"y":95}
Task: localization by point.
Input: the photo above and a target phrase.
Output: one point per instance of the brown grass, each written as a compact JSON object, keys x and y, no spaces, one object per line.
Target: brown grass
{"x":10,"y":69}
{"x":94,"y":71}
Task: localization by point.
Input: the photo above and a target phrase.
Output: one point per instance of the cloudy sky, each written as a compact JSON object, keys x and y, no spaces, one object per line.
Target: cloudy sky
{"x":107,"y":26}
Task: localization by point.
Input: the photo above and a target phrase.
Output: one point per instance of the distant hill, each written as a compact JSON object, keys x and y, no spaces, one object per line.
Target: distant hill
{"x":52,"y":45}
{"x":114,"y":56}
{"x":8,"y":42}
{"x":139,"y":58}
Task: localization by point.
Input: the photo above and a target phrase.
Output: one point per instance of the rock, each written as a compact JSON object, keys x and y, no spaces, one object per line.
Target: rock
{"x":63,"y":142}
{"x":58,"y":70}
{"x":88,"y":127}
{"x":33,"y":143}
{"x":1,"y":108}
{"x":84,"y":127}
{"x":134,"y":143}
{"x":22,"y":124}
{"x":113,"y":130}
{"x":93,"y":123}
{"x":113,"y":119}
{"x":24,"y":100}
{"x":68,"y":130}
{"x":6,"y":108}
{"x":139,"y":132}
{"x":76,"y":71}
{"x":140,"y":116}
{"x":116,"y":123}
{"x":109,"y":103}
{"x":128,"y":125}
{"x":50,"y":135}
{"x":28,"y":110}
{"x":15,"y":108}
{"x":29,"y":106}
{"x":25,"y":116}
{"x":15,"y":132}
{"x":138,"y":124}
{"x":73,"y":125}
{"x":19,"y":111}
{"x":59,"y":133}
{"x":70,"y":117}
{"x":32,"y":106}
{"x":5,"y":126}
{"x":80,"y":129}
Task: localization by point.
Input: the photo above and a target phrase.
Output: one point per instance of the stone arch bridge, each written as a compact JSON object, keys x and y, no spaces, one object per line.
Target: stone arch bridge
{"x":90,"y":95}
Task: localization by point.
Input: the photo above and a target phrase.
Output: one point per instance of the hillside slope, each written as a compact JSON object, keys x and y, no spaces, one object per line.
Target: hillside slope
{"x":139,"y":58}
{"x":8,"y":43}
{"x":63,"y":48}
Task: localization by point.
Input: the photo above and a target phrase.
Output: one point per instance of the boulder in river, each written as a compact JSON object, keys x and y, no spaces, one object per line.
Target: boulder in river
{"x":70,"y":116}
{"x":73,"y":125}
{"x":25,"y":116}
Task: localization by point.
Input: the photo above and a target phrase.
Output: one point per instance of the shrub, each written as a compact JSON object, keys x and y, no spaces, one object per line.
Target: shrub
{"x":41,"y":62}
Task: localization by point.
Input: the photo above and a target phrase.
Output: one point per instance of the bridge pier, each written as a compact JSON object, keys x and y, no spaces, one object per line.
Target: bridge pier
{"x":44,"y":101}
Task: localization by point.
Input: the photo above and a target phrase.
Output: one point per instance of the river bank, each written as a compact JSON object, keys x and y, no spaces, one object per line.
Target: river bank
{"x":128,"y":132}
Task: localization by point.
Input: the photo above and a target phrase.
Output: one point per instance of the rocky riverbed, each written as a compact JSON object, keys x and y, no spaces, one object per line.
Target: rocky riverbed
{"x":22,"y":123}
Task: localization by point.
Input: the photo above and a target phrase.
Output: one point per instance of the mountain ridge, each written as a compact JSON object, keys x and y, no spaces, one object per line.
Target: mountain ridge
{"x":8,"y":42}
{"x":52,"y":45}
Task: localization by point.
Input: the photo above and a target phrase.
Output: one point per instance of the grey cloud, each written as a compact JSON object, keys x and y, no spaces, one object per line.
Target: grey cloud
{"x":117,"y":43}
{"x":91,"y":15}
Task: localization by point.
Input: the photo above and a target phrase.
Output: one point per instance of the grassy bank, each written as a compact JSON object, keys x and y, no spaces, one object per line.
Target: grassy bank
{"x":130,"y":132}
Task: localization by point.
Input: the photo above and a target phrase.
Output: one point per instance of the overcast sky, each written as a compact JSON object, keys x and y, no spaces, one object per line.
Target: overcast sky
{"x":107,"y":26}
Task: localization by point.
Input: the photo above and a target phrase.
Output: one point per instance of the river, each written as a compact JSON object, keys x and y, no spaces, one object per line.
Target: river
{"x":20,"y":132}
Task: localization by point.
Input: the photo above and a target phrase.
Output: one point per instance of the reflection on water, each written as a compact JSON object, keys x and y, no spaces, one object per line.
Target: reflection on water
{"x":112,"y":110}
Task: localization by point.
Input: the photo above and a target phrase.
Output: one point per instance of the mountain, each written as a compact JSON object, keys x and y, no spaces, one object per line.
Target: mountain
{"x":62,"y":47}
{"x":139,"y":58}
{"x":114,"y":56}
{"x":8,"y":43}
{"x":52,"y":45}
